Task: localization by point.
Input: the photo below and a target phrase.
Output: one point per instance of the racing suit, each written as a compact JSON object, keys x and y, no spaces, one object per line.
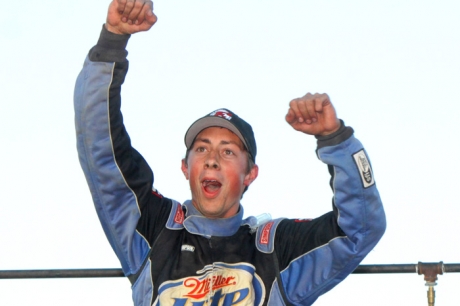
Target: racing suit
{"x":175,"y":256}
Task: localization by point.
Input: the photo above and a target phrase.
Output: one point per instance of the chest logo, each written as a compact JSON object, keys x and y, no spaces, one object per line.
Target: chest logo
{"x":217,"y":284}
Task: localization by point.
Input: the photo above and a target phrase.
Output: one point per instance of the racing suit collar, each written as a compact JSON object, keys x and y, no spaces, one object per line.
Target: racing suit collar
{"x":198,"y":224}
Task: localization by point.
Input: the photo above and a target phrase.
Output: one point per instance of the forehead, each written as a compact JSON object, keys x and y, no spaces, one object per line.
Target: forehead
{"x":216,"y":134}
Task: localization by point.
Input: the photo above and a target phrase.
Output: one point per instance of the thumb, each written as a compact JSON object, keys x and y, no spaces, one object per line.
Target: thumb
{"x":290,"y":116}
{"x":150,"y":17}
{"x":148,"y":20}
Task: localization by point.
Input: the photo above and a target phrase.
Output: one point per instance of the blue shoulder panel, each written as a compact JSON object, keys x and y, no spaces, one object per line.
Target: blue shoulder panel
{"x":265,"y":237}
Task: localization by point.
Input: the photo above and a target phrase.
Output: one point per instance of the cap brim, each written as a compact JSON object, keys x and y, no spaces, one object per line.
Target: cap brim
{"x":207,"y":122}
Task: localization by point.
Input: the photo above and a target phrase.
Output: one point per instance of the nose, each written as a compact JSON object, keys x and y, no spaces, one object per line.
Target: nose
{"x":212,"y":160}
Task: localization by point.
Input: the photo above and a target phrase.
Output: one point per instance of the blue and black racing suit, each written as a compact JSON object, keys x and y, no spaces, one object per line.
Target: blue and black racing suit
{"x":175,"y":256}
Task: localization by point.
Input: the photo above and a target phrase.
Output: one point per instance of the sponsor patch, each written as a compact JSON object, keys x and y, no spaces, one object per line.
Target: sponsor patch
{"x":265,"y":237}
{"x":364,"y":168}
{"x":179,"y":216}
{"x":188,"y":248}
{"x":303,"y":220}
{"x":156,"y":192}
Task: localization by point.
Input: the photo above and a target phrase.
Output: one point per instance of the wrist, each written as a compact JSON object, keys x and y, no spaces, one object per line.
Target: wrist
{"x":112,"y":29}
{"x":110,"y":47}
{"x":340,"y":135}
{"x":338,"y":125}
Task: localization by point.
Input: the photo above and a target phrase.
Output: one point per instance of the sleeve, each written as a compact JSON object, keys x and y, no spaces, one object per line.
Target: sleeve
{"x":334,"y":244}
{"x":118,"y":176}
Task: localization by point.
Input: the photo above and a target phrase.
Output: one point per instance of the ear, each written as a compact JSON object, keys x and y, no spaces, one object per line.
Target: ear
{"x":184,"y":169}
{"x":251,"y":176}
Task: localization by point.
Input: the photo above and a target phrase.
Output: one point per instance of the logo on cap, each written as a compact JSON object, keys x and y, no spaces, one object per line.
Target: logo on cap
{"x":223,"y":113}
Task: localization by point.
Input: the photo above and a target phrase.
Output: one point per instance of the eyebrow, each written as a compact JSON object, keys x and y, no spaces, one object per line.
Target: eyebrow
{"x":222,"y":142}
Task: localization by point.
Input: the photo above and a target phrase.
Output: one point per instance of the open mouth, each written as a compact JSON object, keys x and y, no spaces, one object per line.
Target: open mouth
{"x":211,"y":186}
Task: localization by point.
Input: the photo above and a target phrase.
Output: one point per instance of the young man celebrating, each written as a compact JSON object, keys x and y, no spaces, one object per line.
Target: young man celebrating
{"x":203,"y":252}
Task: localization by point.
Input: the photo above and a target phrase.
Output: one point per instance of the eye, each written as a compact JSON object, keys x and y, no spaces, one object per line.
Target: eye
{"x":200,"y":149}
{"x":228,"y":152}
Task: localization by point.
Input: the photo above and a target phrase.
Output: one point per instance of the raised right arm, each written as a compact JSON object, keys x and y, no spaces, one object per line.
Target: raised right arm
{"x":118,"y":176}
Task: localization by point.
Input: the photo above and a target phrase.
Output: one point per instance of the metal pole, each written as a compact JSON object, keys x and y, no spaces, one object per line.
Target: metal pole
{"x":430,"y":295}
{"x":82,"y":273}
{"x":400,"y":268}
{"x":61,"y":273}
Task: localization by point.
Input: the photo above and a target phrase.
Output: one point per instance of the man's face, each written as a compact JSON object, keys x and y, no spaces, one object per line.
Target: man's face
{"x":217,"y":171}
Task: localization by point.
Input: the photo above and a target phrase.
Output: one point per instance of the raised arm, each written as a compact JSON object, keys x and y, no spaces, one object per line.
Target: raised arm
{"x":315,"y":255}
{"x":118,"y":176}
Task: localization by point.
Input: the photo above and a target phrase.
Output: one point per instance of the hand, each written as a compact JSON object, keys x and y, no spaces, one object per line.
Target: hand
{"x":313,"y":115}
{"x":130,"y":16}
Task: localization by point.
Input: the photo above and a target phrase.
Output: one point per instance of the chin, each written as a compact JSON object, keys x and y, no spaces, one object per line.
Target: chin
{"x":213,"y":214}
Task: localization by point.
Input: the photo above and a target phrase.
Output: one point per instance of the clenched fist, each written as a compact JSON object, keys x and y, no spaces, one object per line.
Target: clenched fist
{"x":130,"y":16}
{"x":313,"y":114}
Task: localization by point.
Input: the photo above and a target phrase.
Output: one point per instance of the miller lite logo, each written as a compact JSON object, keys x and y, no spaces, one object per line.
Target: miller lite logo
{"x":364,"y":168}
{"x":217,"y":284}
{"x":202,"y":287}
{"x":223,"y":113}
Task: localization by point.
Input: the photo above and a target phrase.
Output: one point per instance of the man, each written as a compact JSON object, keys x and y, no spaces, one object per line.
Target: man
{"x":203,"y":252}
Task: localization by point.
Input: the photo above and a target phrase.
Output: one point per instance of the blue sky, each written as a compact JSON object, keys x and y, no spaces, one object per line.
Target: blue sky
{"x":391,"y":68}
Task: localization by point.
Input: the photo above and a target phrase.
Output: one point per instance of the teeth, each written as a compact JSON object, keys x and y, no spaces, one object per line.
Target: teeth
{"x":211,"y":185}
{"x":210,"y":182}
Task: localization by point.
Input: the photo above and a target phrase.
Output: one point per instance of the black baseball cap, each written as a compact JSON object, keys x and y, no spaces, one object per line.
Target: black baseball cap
{"x":227,"y":119}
